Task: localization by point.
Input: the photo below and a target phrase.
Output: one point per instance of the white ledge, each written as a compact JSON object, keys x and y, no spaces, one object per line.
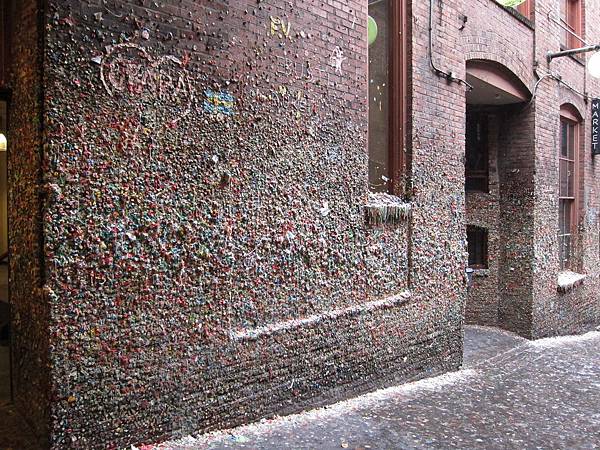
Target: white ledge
{"x":567,"y":280}
{"x":385,"y":208}
{"x":481,"y":272}
{"x":277,"y":327}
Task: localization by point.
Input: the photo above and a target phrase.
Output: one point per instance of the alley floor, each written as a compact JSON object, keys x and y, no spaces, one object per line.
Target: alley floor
{"x":510,"y":394}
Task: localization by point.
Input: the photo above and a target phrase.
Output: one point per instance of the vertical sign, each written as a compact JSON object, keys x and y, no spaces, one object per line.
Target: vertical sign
{"x":596,"y":126}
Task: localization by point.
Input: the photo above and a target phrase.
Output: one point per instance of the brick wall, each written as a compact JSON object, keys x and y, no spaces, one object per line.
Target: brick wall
{"x":516,"y":275}
{"x":498,"y":34}
{"x":207,"y":254}
{"x":501,"y":295}
{"x":206,"y":257}
{"x":528,"y":271}
{"x":556,"y":313}
{"x":438,"y":252}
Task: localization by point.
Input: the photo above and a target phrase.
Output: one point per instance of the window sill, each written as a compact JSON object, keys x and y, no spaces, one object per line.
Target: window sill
{"x":480,"y":271}
{"x":384,"y":208}
{"x":568,"y":281}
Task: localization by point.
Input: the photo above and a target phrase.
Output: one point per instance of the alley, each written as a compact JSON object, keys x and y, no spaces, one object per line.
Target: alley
{"x":510,"y":394}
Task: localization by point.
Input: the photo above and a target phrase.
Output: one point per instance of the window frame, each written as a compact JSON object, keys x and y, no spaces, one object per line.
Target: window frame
{"x":572,"y":24}
{"x":483,"y":238}
{"x":398,"y":160}
{"x":526,"y":9}
{"x":482,"y":120}
{"x":574,"y":123}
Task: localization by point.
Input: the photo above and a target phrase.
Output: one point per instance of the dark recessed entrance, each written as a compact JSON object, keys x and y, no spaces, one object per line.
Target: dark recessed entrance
{"x":498,"y":150}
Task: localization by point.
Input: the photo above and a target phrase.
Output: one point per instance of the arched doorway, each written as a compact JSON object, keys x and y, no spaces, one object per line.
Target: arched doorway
{"x":499,"y":159}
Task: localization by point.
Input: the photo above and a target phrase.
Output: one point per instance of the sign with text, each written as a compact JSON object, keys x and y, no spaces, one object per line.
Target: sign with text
{"x":596,"y":126}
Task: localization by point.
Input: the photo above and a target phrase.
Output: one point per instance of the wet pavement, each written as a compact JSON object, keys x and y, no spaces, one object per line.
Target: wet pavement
{"x":510,"y":394}
{"x":484,"y":343}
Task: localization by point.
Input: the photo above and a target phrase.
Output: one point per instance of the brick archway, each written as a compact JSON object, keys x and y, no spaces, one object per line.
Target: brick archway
{"x":482,"y":46}
{"x":499,"y":162}
{"x":494,"y":83}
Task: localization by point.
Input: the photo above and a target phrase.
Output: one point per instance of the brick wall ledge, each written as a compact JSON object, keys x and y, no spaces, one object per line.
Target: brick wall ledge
{"x":289,"y":325}
{"x":567,"y":281}
{"x":382,"y":208}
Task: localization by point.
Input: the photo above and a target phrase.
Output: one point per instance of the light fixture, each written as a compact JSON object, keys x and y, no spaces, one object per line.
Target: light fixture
{"x":372,"y":30}
{"x":594,"y":65}
{"x":511,"y":3}
{"x":3,"y":142}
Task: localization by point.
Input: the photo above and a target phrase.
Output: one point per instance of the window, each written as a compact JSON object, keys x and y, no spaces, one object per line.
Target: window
{"x":476,"y":153}
{"x":477,"y":246}
{"x":571,"y":21}
{"x":387,"y":103}
{"x":567,"y":200}
{"x":526,"y":8}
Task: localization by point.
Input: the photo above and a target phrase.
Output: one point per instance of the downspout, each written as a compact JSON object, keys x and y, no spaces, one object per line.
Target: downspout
{"x":450,"y":76}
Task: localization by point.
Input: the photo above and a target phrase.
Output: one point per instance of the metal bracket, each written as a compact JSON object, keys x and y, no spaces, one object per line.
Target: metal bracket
{"x":589,"y":48}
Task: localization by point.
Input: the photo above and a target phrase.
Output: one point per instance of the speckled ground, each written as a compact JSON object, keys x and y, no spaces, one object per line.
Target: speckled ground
{"x":14,"y":434}
{"x":4,"y":373}
{"x":483,"y":343}
{"x":512,"y":394}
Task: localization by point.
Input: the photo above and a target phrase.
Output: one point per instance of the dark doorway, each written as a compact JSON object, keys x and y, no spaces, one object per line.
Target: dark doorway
{"x":6,"y":30}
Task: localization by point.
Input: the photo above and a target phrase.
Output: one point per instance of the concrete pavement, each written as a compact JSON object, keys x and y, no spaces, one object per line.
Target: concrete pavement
{"x":511,"y":394}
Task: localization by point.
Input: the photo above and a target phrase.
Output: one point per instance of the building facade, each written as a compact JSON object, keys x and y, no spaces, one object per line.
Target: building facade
{"x":224,"y":210}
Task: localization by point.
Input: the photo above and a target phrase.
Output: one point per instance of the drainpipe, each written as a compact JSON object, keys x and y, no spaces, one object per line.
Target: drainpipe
{"x":450,"y":76}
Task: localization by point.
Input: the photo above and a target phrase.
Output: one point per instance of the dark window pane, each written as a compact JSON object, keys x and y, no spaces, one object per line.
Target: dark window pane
{"x":562,"y":229}
{"x":567,"y":249}
{"x":564,"y":131}
{"x":478,"y":184}
{"x":564,"y":178}
{"x":477,"y":246}
{"x":565,"y":232}
{"x":571,"y":146}
{"x":570,"y":17}
{"x":561,"y":217}
{"x":561,"y":251}
{"x":571,"y":178}
{"x":567,"y":211}
{"x":476,"y":153}
{"x":567,"y":159}
{"x":379,"y":83}
{"x":564,"y":36}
